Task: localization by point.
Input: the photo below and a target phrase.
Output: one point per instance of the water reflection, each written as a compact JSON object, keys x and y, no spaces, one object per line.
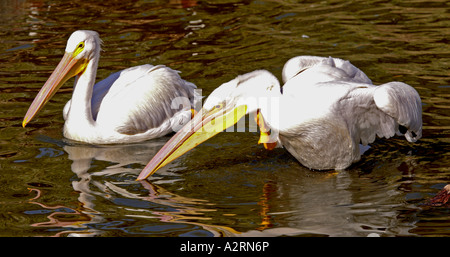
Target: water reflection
{"x":114,"y":183}
{"x":105,"y":186}
{"x":272,"y":194}
{"x":61,"y":217}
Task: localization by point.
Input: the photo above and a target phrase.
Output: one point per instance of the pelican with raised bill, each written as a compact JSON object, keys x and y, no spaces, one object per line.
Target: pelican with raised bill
{"x":325,"y":115}
{"x":131,"y":105}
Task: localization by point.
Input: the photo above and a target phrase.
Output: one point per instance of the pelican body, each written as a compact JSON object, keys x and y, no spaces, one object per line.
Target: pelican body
{"x":131,"y":105}
{"x":325,"y":115}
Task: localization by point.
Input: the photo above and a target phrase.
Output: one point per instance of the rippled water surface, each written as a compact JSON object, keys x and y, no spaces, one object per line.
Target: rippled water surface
{"x":228,"y":186}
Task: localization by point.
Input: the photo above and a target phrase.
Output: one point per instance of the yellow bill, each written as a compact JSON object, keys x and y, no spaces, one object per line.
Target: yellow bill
{"x":67,"y":68}
{"x":203,"y":126}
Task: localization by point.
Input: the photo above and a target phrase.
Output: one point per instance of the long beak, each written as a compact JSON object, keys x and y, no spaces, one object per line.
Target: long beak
{"x":68,"y":67}
{"x":203,"y":126}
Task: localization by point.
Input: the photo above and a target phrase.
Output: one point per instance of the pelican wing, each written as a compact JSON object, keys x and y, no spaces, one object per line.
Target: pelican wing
{"x":383,"y":111}
{"x":100,"y":90}
{"x":334,"y":67}
{"x":141,"y":98}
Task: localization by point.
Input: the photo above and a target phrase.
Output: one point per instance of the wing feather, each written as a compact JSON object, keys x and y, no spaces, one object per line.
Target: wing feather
{"x":402,"y":102}
{"x":142,"y":98}
{"x":337,"y":68}
{"x":372,"y":111}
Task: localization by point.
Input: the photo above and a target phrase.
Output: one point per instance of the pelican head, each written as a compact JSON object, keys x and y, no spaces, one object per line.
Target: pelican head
{"x":224,"y":107}
{"x":82,"y":47}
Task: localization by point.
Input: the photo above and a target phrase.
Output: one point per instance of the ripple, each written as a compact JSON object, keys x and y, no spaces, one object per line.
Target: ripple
{"x":230,"y":186}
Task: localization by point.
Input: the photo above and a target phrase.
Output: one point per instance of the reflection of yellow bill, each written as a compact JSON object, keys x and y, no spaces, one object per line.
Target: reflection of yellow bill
{"x":202,"y":127}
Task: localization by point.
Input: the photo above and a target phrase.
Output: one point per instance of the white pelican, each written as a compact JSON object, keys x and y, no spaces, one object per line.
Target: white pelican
{"x":131,"y":105}
{"x":325,"y":110}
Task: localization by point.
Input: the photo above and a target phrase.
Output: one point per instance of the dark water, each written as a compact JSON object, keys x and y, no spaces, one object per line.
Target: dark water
{"x":228,"y":186}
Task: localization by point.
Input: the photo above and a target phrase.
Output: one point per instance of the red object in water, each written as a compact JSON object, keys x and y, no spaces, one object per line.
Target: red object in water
{"x":441,"y":198}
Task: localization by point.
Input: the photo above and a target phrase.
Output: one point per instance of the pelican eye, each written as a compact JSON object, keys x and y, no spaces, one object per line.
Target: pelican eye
{"x":218,"y":106}
{"x":79,"y":48}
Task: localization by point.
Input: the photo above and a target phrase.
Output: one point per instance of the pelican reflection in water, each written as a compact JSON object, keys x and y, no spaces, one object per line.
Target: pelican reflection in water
{"x":291,"y":202}
{"x":132,"y":105}
{"x":102,"y":189}
{"x":326,"y":109}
